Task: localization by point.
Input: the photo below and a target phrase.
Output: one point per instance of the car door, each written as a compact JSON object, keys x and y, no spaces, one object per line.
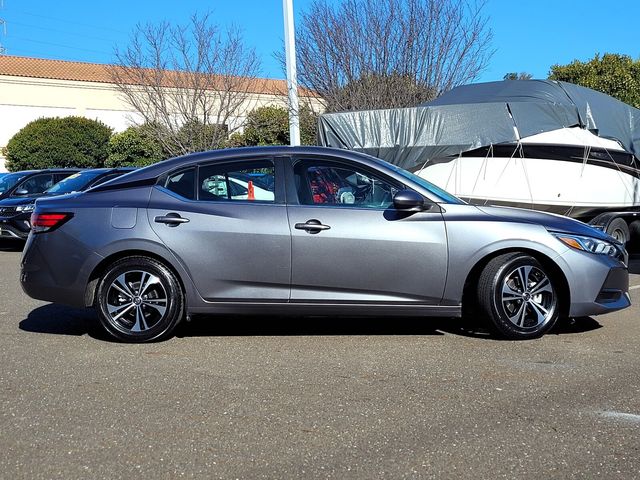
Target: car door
{"x":235,"y":246}
{"x":350,"y":245}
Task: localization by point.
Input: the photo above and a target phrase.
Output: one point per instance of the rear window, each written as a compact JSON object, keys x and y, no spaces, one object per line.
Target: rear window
{"x":74,"y":183}
{"x":182,"y":183}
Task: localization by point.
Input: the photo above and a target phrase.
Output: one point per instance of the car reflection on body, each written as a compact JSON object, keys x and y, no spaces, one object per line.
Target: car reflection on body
{"x":336,"y":233}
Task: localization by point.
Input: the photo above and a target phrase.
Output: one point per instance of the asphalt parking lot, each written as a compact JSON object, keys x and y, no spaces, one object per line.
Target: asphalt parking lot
{"x":314,"y":398}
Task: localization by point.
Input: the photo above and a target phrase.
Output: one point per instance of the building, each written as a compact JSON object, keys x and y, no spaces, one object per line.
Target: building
{"x":31,"y":88}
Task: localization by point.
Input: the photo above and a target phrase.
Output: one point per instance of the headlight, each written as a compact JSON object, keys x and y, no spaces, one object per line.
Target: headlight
{"x":589,"y":244}
{"x":25,"y":208}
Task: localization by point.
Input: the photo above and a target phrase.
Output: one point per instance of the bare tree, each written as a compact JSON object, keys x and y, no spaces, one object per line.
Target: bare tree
{"x":188,"y":83}
{"x":364,"y":54}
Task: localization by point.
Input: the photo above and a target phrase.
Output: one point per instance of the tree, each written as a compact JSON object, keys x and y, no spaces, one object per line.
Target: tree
{"x":269,"y":125}
{"x":613,"y":74}
{"x":134,"y":147}
{"x":517,"y":76}
{"x":365,"y":54}
{"x":59,"y":142}
{"x":194,"y":75}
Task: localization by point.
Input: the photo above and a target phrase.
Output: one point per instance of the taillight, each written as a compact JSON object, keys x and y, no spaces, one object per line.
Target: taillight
{"x":45,"y":222}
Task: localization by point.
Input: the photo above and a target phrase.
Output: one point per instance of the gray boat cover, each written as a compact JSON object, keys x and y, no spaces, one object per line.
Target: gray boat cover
{"x":479,"y":115}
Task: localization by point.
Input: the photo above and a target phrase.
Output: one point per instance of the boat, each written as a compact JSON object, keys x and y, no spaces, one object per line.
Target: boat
{"x":538,"y":144}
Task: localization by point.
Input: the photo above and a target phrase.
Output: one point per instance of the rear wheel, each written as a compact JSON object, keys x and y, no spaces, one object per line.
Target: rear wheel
{"x":634,"y":234}
{"x":518,"y":296}
{"x":139,"y":300}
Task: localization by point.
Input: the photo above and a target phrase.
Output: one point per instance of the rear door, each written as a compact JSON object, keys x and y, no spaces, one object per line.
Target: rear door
{"x":350,"y":245}
{"x":232,"y":237}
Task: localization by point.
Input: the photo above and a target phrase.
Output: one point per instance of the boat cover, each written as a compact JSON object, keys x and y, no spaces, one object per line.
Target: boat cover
{"x":479,"y":115}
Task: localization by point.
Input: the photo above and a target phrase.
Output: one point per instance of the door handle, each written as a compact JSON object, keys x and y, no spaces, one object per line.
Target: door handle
{"x":171,"y":219}
{"x":312,"y":226}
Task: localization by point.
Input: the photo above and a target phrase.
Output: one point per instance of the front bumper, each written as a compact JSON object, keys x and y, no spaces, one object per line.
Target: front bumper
{"x":598,"y":284}
{"x":15,"y":227}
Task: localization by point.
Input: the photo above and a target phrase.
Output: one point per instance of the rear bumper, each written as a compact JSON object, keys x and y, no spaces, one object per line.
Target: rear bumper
{"x":45,"y":279}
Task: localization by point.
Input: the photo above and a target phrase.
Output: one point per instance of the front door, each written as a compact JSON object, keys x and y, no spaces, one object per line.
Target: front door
{"x":228,"y":225}
{"x":350,"y":245}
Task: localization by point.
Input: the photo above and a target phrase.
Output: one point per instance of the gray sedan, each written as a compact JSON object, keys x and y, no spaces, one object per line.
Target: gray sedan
{"x":310,"y":231}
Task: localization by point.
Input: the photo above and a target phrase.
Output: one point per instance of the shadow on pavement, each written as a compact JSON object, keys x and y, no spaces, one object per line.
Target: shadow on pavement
{"x":575,"y":325}
{"x":11,"y":245}
{"x":61,"y":320}
{"x":213,"y":326}
{"x":634,"y":264}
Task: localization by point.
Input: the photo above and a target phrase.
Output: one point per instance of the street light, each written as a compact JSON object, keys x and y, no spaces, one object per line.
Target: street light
{"x":292,"y":81}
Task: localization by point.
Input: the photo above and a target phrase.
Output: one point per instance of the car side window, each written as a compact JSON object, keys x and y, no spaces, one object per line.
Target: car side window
{"x":247,"y":181}
{"x":182,"y":183}
{"x":329,"y":183}
{"x":37,"y":183}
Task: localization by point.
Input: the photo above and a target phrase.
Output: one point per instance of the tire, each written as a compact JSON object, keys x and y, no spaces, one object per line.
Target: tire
{"x":139,"y":300}
{"x":619,"y":230}
{"x":513,"y":310}
{"x":634,"y":234}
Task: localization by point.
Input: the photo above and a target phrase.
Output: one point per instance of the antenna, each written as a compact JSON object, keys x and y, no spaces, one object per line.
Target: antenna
{"x":4,"y":30}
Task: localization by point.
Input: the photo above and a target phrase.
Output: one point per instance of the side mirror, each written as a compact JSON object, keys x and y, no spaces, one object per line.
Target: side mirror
{"x":21,"y":191}
{"x":408,"y":201}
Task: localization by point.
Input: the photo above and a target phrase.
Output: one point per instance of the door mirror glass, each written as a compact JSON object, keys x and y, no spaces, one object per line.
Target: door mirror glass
{"x":408,"y":201}
{"x":21,"y":191}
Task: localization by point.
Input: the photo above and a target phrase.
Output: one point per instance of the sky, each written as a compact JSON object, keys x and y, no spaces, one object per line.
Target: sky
{"x":528,"y":36}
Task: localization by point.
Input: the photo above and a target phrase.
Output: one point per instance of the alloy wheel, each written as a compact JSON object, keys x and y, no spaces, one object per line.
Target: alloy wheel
{"x":136,"y":301}
{"x":528,"y":297}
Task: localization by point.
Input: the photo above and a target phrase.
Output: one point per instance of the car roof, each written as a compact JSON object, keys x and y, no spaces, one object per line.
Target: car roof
{"x":153,"y":171}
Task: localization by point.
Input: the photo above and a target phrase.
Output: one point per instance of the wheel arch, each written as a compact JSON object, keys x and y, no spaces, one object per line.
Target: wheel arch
{"x":100,"y":268}
{"x":469,"y":290}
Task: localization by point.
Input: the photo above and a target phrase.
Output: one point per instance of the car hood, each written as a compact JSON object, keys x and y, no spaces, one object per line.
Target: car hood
{"x":550,"y":221}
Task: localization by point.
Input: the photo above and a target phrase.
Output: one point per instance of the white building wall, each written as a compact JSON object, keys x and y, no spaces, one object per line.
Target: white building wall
{"x":24,"y":99}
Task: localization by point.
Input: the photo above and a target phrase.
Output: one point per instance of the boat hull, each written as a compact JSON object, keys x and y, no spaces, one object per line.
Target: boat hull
{"x":566,"y":187}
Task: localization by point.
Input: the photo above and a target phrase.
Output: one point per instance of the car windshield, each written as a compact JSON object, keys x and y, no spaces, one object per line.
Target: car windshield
{"x":8,"y":181}
{"x":443,"y":195}
{"x":75,"y":183}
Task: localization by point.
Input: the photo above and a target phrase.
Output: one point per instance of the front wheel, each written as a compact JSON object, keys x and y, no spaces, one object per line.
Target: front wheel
{"x":139,"y":300}
{"x":518,"y":295}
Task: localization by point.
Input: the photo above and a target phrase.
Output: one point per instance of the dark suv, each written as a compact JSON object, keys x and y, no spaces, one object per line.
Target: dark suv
{"x":15,"y":210}
{"x":29,"y":182}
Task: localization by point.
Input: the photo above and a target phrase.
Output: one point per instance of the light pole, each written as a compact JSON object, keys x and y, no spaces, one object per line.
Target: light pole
{"x":292,"y":81}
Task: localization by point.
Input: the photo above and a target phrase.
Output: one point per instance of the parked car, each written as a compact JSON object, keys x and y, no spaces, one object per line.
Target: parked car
{"x":29,"y":182}
{"x":15,"y":211}
{"x":345,"y":234}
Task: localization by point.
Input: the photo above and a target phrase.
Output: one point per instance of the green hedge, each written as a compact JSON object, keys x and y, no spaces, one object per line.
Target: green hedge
{"x":59,"y":142}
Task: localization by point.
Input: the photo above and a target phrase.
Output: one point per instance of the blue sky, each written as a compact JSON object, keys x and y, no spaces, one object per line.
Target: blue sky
{"x":528,"y":35}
